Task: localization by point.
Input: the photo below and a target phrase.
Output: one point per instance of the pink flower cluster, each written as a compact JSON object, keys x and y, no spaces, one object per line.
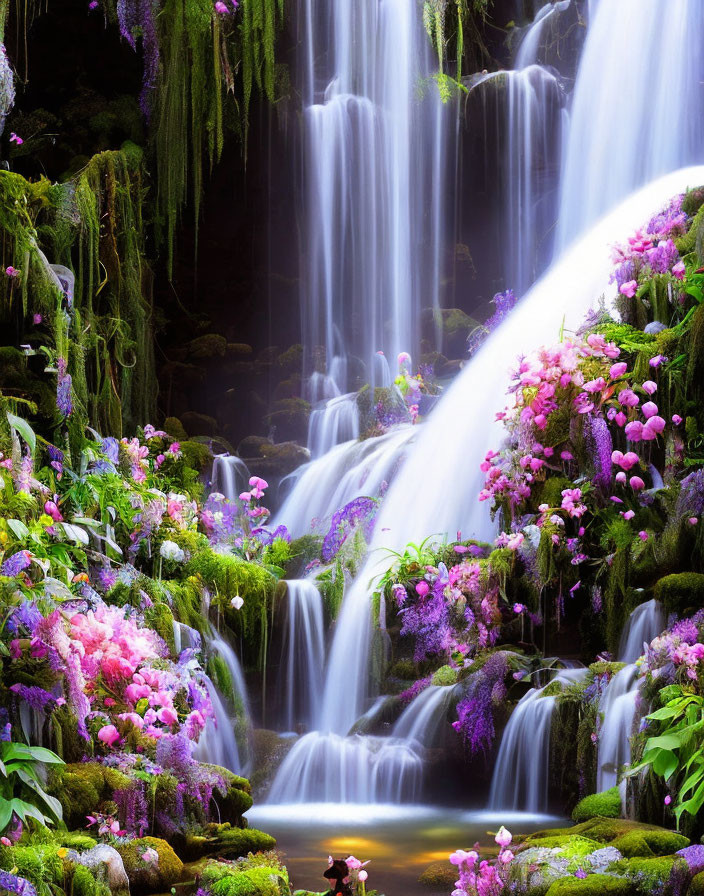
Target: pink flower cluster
{"x":481,"y":878}
{"x":644,"y":255}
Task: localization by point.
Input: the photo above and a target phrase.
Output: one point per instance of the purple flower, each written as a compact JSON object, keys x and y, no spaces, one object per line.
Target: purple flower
{"x":14,"y":884}
{"x":35,"y":697}
{"x":15,"y":564}
{"x":360,"y":511}
{"x":64,"y":401}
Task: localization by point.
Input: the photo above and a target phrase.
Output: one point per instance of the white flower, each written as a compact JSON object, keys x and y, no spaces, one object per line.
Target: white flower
{"x":237,"y":602}
{"x":169,"y":550}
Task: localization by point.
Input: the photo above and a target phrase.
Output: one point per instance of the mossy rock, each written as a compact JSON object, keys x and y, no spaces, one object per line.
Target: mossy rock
{"x":225,"y":840}
{"x":196,"y":455}
{"x":606,"y":805}
{"x":263,"y":881}
{"x":160,"y":618}
{"x":693,"y":201}
{"x":210,"y":345}
{"x":84,"y":883}
{"x":696,"y":888}
{"x":604,"y":830}
{"x":82,"y":788}
{"x":199,"y":424}
{"x":238,"y":798}
{"x":439,"y":876}
{"x":75,"y":840}
{"x":648,"y":874}
{"x":406,"y":670}
{"x":454,"y":325}
{"x":174,"y":427}
{"x":571,"y":847}
{"x":38,"y":863}
{"x":277,"y":461}
{"x":239,"y":350}
{"x":445,"y":675}
{"x":291,"y":361}
{"x":146,"y":877}
{"x":592,"y":885}
{"x":253,"y":446}
{"x":647,"y":844}
{"x":289,"y":418}
{"x":680,"y":591}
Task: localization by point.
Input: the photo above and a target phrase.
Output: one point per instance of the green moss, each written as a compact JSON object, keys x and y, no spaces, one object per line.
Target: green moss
{"x":160,"y":618}
{"x":649,"y":843}
{"x":84,"y":883}
{"x":696,"y":888}
{"x":592,"y":885}
{"x":648,"y":873}
{"x":253,"y":882}
{"x":38,"y":863}
{"x":225,"y":840}
{"x":681,"y":591}
{"x":75,"y":840}
{"x":571,"y":847}
{"x":606,"y":805}
{"x":81,"y":788}
{"x":142,"y":875}
{"x":445,"y":675}
{"x":439,"y":876}
{"x":196,"y":455}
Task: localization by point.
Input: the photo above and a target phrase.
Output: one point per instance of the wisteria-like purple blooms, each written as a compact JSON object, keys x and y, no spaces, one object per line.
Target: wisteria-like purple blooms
{"x":15,"y":564}
{"x":599,"y":445}
{"x":14,"y":884}
{"x":671,"y":221}
{"x":35,"y":697}
{"x":56,"y":456}
{"x":64,"y":401}
{"x":505,"y":302}
{"x":475,"y":712}
{"x":360,"y":511}
{"x":138,"y":17}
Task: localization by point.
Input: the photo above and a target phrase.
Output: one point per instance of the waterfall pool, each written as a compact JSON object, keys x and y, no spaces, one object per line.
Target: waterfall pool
{"x":400,"y":841}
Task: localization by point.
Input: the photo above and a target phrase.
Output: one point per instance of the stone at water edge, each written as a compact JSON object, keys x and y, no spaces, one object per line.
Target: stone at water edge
{"x":106,"y":863}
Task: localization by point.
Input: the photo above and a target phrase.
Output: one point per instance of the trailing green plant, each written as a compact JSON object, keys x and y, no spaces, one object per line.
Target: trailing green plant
{"x":22,"y":790}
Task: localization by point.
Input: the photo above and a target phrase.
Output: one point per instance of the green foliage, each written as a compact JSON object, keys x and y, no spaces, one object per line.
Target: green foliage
{"x":606,"y":804}
{"x":592,"y":885}
{"x":82,"y":787}
{"x":647,"y":843}
{"x":38,"y":863}
{"x":255,"y":875}
{"x":676,"y":752}
{"x":22,"y":790}
{"x":445,"y":676}
{"x":156,"y":877}
{"x":261,"y":19}
{"x":681,"y":591}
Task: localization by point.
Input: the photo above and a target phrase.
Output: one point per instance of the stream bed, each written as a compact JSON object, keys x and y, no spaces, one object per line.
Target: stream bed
{"x":399,"y":841}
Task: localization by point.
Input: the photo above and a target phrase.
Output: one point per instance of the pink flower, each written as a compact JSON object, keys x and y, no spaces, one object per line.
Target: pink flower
{"x":693,"y":521}
{"x":167,"y":715}
{"x":630,"y":459}
{"x":221,"y":8}
{"x":676,"y":419}
{"x":621,"y":477}
{"x":362,"y":876}
{"x":634,"y":431}
{"x":679,"y":270}
{"x":668,"y":800}
{"x":109,"y":735}
{"x":629,"y":288}
{"x":628,"y":398}
{"x":506,"y":856}
{"x":37,"y":319}
{"x":657,"y":361}
{"x":618,"y":370}
{"x":620,"y":418}
{"x":11,"y":272}
{"x":50,"y":509}
{"x":5,"y":841}
{"x":503,"y":837}
{"x":650,"y":409}
{"x":650,"y":387}
{"x":653,"y":428}
{"x":15,"y":139}
{"x":643,"y":535}
{"x":422,"y":588}
{"x":637,"y":483}
{"x":628,"y":514}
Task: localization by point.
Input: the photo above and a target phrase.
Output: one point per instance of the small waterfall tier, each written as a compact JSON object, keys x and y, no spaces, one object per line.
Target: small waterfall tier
{"x":618,"y":708}
{"x":423,"y":720}
{"x":335,"y":422}
{"x":302,"y":657}
{"x":646,"y":622}
{"x":230,"y":476}
{"x":333,"y":769}
{"x":521,"y":774}
{"x":346,"y":472}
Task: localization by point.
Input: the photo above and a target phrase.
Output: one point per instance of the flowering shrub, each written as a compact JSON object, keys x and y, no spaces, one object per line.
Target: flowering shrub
{"x":482,"y":878}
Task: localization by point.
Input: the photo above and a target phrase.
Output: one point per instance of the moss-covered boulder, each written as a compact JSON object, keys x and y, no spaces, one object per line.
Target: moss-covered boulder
{"x":174,"y":427}
{"x":592,"y":885}
{"x":210,"y":345}
{"x":696,"y":888}
{"x":645,"y":844}
{"x":606,"y":805}
{"x":105,"y":864}
{"x":198,"y":424}
{"x":680,"y":591}
{"x":85,"y":883}
{"x":651,"y":875}
{"x":603,"y":830}
{"x":257,"y":875}
{"x":440,"y":876}
{"x":277,"y":461}
{"x":83,"y":787}
{"x":226,"y":840}
{"x":147,"y":875}
{"x":289,"y":419}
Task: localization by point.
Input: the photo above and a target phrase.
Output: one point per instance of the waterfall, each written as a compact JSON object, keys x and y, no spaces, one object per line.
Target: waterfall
{"x":332,"y":769}
{"x":423,"y":719}
{"x":372,"y":153}
{"x":346,"y":472}
{"x":185,"y":638}
{"x":218,"y":742}
{"x":521,"y":773}
{"x":230,"y":476}
{"x":335,"y":422}
{"x":634,"y":116}
{"x":646,"y":622}
{"x":303,"y":655}
{"x":618,"y":707}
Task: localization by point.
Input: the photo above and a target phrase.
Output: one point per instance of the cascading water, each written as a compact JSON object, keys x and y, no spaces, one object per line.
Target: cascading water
{"x":646,"y":622}
{"x":423,"y":719}
{"x":641,"y":63}
{"x":303,"y":655}
{"x":521,"y":773}
{"x":230,"y":476}
{"x":334,"y":422}
{"x":372,"y":156}
{"x":618,"y":707}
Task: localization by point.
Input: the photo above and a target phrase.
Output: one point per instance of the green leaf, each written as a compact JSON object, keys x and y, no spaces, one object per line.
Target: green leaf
{"x":665,"y":764}
{"x":24,"y":429}
{"x":18,"y":528}
{"x":5,"y":813}
{"x":664,"y":742}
